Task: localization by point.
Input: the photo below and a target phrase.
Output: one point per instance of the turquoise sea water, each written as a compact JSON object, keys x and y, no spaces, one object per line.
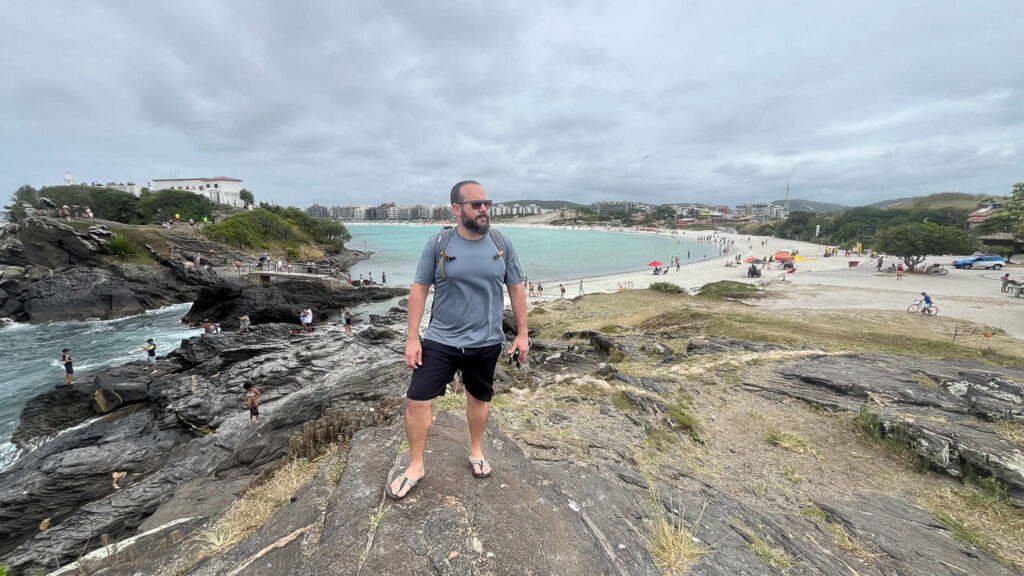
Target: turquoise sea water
{"x":547,"y":255}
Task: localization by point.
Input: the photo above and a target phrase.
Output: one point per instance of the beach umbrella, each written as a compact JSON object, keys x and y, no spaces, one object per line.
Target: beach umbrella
{"x":783,"y":256}
{"x":655,"y":263}
{"x":752,"y":259}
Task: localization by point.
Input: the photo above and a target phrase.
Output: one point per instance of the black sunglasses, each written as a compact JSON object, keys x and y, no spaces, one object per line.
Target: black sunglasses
{"x":477,"y":204}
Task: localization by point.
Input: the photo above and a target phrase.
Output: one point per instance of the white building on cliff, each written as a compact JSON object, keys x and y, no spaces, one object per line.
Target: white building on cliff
{"x":218,"y":188}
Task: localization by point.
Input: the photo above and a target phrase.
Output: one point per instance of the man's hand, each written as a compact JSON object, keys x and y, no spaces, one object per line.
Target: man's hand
{"x":522,"y":344}
{"x":413,"y":354}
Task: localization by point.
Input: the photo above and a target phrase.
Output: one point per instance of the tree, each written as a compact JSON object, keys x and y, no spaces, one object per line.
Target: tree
{"x":1011,"y":217}
{"x":915,"y":242}
{"x":246,"y":197}
{"x":24,"y":194}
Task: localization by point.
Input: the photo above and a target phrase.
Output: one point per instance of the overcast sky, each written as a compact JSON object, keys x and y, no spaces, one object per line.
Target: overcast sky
{"x":664,"y":101}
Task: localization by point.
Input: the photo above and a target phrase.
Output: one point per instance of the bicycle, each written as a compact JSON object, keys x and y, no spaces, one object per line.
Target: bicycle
{"x":929,"y":310}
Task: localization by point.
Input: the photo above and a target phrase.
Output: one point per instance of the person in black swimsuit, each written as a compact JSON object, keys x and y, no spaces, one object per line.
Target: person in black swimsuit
{"x":69,"y":370}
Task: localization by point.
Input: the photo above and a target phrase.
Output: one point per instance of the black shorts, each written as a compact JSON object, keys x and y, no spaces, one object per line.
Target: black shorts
{"x":68,"y":369}
{"x":440,"y":363}
{"x":254,"y":410}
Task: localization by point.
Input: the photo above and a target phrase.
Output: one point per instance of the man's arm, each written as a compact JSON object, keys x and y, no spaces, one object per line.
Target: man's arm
{"x":517,"y":294}
{"x":417,"y":302}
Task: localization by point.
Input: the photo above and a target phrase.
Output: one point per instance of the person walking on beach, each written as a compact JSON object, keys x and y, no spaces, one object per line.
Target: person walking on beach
{"x":252,"y":402}
{"x":561,"y":289}
{"x":532,"y":292}
{"x":346,"y":319}
{"x":150,"y":348}
{"x":581,"y":287}
{"x":540,"y":290}
{"x":878,"y":265}
{"x":69,"y":369}
{"x":465,"y":327}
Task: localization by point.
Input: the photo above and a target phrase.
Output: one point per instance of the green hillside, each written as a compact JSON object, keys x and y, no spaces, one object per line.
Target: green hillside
{"x":800,"y":205}
{"x":933,"y":201}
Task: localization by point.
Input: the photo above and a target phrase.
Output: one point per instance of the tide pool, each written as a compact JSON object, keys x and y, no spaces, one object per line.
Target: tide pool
{"x":546,"y":254}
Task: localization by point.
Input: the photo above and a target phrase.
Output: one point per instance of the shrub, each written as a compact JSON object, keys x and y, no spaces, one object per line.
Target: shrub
{"x":728,"y":289}
{"x":667,"y":287}
{"x":122,"y":247}
{"x":283,"y":226}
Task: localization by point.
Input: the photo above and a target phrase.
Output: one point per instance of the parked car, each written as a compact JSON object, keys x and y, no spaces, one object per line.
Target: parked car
{"x":980,"y":261}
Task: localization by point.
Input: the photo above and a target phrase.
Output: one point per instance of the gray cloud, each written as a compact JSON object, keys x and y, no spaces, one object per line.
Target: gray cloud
{"x":660,"y":101}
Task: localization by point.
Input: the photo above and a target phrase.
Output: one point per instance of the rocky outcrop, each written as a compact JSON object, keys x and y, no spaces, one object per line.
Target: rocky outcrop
{"x":581,"y":500}
{"x":280,"y":300}
{"x":947,"y":409}
{"x":50,"y":271}
{"x":191,"y":424}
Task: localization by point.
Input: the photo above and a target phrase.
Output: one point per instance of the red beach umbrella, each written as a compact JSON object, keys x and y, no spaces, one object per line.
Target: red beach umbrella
{"x":752,"y":259}
{"x":655,"y":263}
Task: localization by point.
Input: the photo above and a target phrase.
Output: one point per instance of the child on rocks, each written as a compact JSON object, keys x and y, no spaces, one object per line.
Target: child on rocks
{"x":252,"y":402}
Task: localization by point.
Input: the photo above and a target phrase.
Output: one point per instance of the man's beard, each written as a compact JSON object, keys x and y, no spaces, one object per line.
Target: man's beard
{"x":475,"y":227}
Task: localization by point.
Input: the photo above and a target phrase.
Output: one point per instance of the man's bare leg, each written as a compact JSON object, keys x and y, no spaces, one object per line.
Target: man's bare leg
{"x":476,"y":413}
{"x":417,"y":426}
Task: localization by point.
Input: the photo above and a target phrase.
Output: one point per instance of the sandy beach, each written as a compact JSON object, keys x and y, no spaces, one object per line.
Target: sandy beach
{"x":834,"y":283}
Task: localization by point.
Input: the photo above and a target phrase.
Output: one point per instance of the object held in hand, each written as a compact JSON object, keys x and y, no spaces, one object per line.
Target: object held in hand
{"x":514,"y":357}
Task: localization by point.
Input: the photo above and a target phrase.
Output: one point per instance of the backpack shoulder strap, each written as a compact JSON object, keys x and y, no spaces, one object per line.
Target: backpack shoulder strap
{"x":440,"y":243}
{"x":501,"y":242}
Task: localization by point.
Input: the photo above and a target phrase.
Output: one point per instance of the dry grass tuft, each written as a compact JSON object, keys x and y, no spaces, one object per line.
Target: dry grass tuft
{"x":255,"y":507}
{"x":674,"y":546}
{"x":980,"y":519}
{"x":1011,"y":431}
{"x":775,"y":557}
{"x":790,"y":442}
{"x":925,"y":380}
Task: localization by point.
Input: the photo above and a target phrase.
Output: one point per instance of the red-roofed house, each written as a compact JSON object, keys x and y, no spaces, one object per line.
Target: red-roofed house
{"x":978,"y":217}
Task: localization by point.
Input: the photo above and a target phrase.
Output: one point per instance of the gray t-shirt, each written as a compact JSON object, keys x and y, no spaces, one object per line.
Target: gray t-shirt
{"x":468,"y":302}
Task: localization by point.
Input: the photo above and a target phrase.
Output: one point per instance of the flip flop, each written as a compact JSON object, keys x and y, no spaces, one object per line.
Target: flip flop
{"x":406,"y":481}
{"x":482,"y":463}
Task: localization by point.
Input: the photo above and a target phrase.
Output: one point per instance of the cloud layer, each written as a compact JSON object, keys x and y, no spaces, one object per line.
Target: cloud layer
{"x":359,"y":102}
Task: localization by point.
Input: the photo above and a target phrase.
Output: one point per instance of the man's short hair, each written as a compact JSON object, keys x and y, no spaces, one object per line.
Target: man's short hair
{"x":457,"y":190}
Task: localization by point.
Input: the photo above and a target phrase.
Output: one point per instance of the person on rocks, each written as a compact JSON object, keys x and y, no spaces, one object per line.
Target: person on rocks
{"x":150,"y":348}
{"x":238,"y":266}
{"x":210,"y":327}
{"x":243,"y":323}
{"x":465,"y":330}
{"x":346,"y":319}
{"x":384,"y":279}
{"x":252,"y":402}
{"x":69,"y":368}
{"x":306,"y":318}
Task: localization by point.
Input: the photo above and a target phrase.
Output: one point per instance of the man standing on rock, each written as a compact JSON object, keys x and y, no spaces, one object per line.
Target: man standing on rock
{"x":465,"y":331}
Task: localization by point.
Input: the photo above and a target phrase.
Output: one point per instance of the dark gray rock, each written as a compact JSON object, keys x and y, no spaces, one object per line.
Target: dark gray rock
{"x":949,"y":420}
{"x":703,"y":346}
{"x":280,"y":301}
